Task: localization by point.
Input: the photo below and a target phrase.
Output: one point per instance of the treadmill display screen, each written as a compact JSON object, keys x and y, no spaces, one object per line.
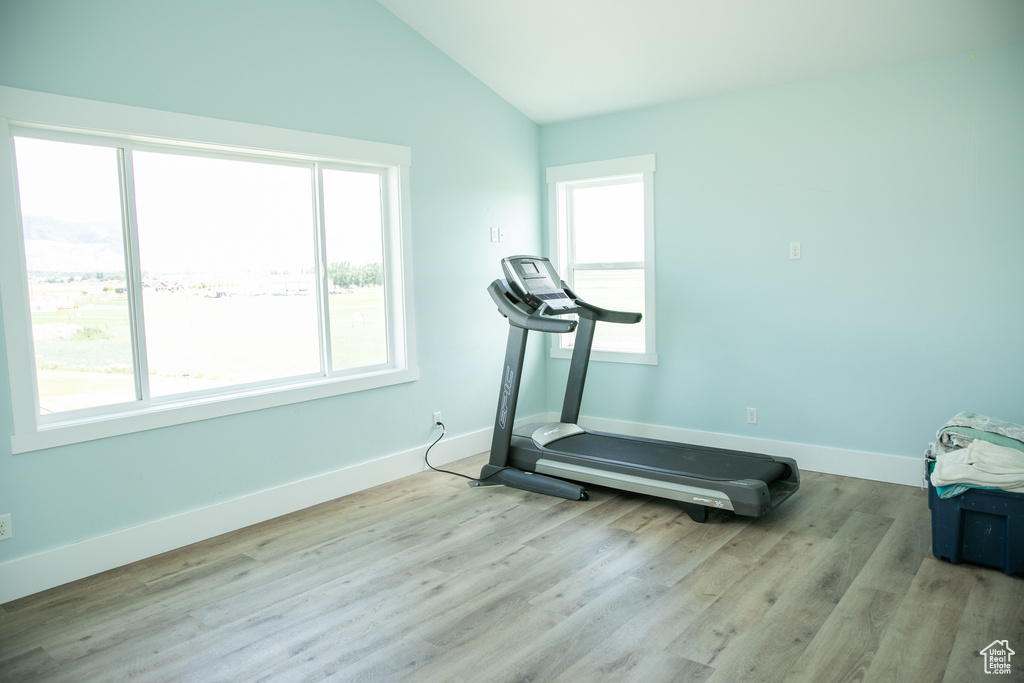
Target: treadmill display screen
{"x":538,"y":282}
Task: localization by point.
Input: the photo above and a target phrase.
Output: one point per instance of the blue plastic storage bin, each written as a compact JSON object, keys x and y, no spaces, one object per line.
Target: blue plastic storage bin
{"x":981,"y":527}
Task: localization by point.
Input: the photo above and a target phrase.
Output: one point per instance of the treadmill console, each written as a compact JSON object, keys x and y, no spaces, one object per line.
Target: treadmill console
{"x":534,"y":279}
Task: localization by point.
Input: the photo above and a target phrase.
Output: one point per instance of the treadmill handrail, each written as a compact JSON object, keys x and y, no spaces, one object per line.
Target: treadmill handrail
{"x":605,"y":315}
{"x":518,"y":317}
{"x":599,"y":314}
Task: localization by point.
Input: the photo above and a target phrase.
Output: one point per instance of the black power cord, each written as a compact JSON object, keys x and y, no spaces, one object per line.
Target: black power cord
{"x":427,"y":454}
{"x":457,"y":474}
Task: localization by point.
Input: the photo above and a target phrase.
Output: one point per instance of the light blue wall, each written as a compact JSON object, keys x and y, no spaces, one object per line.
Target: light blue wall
{"x":905,"y":186}
{"x":342,"y":68}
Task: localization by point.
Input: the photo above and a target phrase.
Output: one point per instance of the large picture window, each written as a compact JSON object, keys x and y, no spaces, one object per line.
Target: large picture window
{"x":160,"y":275}
{"x":602,"y":214}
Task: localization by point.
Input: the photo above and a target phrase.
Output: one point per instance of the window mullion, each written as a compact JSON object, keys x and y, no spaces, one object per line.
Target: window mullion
{"x":133,"y":270}
{"x":323,"y":277}
{"x":570,"y":235}
{"x":399,"y":352}
{"x":617,"y":265}
{"x":389,"y":329}
{"x":568,"y":341}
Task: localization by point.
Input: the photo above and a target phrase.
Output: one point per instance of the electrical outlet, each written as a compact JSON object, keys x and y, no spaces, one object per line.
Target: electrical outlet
{"x":794,"y":250}
{"x":752,"y":416}
{"x":5,"y":527}
{"x":437,"y":419}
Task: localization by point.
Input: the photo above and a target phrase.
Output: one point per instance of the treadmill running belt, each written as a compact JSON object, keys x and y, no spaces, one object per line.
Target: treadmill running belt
{"x":699,"y":461}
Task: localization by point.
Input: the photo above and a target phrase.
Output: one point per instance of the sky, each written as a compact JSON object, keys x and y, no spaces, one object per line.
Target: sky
{"x":195,"y":214}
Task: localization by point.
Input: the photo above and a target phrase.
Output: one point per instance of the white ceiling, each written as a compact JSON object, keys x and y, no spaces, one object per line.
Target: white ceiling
{"x":557,"y":60}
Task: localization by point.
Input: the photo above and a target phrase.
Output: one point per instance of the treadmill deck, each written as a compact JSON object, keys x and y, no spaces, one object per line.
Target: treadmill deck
{"x":747,"y":483}
{"x":665,"y":457}
{"x":694,"y":461}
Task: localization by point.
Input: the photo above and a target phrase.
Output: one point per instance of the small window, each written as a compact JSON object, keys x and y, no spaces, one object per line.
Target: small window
{"x":604,"y":230}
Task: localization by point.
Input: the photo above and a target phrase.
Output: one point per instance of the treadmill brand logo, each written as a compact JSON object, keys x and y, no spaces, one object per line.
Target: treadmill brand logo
{"x":506,"y":396}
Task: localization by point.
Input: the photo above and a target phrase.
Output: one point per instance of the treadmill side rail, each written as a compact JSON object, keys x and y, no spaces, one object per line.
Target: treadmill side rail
{"x":629,"y":482}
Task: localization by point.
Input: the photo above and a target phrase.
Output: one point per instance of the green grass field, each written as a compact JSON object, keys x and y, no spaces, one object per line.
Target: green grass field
{"x":84,"y":352}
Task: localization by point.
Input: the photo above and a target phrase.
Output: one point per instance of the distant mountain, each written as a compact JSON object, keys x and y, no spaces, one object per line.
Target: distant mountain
{"x":55,"y":230}
{"x":55,"y":246}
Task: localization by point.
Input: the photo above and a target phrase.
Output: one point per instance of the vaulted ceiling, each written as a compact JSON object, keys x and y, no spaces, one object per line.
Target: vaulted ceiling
{"x":558,"y":60}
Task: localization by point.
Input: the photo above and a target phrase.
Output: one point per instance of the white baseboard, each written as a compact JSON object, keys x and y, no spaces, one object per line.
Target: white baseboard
{"x":34,"y":573}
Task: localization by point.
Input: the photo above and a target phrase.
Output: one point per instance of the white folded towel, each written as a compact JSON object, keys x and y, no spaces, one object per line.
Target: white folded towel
{"x":981,"y":464}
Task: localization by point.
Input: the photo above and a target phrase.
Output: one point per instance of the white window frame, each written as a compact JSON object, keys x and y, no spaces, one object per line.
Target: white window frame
{"x":57,"y":116}
{"x":559,"y":179}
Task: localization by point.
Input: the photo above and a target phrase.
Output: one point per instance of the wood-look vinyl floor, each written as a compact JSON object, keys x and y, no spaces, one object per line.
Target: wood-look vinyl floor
{"x":426,"y":579}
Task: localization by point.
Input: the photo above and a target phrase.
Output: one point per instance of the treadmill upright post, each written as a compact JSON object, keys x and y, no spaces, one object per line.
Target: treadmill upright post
{"x":515,"y":352}
{"x":578,"y":368}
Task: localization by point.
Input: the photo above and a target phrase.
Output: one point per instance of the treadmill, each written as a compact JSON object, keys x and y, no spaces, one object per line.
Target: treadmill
{"x":556,"y":458}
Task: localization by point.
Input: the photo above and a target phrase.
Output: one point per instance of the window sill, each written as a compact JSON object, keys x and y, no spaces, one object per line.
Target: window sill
{"x":63,"y":433}
{"x":611,"y":356}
